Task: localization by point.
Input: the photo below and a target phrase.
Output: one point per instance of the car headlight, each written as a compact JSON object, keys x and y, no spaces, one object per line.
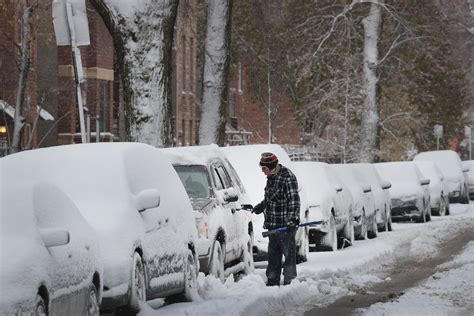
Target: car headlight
{"x":202,"y":227}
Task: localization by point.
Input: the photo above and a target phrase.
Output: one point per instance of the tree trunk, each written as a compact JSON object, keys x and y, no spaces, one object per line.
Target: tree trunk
{"x":19,"y":120}
{"x":216,"y":70}
{"x":370,"y":115}
{"x":143,"y":38}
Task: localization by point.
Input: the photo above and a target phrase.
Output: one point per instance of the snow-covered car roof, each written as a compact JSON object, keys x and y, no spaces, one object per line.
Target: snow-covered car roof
{"x":404,"y":176}
{"x":316,"y":180}
{"x":193,"y":155}
{"x":103,"y":180}
{"x":448,"y":161}
{"x":245,"y":160}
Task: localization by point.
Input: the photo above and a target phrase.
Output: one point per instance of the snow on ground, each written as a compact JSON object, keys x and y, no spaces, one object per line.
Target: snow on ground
{"x":327,"y":276}
{"x":448,"y":292}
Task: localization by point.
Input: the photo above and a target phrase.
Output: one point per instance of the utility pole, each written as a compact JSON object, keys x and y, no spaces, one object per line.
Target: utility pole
{"x":71,"y":28}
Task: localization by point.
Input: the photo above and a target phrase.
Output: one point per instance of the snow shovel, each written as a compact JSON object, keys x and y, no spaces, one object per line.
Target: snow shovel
{"x":285,"y":229}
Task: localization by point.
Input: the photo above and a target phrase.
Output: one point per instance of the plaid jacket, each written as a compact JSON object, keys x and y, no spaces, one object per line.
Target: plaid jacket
{"x":282,"y":201}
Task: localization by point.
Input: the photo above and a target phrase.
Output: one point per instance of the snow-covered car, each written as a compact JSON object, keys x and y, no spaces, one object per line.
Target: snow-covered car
{"x":49,"y":261}
{"x":367,"y":174}
{"x":328,"y":201}
{"x":363,"y":208}
{"x":245,"y":160}
{"x":439,"y":200}
{"x":449,"y":163}
{"x":470,"y":176}
{"x":225,"y":243}
{"x":410,"y":192}
{"x":131,"y":196}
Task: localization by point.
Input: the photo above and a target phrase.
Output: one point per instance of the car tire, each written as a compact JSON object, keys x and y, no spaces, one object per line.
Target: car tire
{"x":348,"y":232}
{"x":93,"y":307}
{"x":373,"y":231}
{"x":302,"y":251}
{"x":247,"y":256}
{"x":40,"y":306}
{"x":389,"y":221}
{"x":138,"y":285}
{"x":190,"y":277}
{"x":442,"y":206}
{"x":328,"y":242}
{"x":216,"y":264}
{"x":362,"y":235}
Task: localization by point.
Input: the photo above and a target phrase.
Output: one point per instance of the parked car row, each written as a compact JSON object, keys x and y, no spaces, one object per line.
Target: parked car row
{"x":107,"y":226}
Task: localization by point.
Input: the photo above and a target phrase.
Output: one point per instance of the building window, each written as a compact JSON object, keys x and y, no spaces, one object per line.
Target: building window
{"x":232,"y":108}
{"x":183,"y":128}
{"x":183,"y":63}
{"x":104,"y":105}
{"x":239,"y":81}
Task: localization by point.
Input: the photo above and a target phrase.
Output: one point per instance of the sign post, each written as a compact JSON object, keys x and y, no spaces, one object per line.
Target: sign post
{"x":438,"y":132}
{"x":467,"y":134}
{"x":71,"y":28}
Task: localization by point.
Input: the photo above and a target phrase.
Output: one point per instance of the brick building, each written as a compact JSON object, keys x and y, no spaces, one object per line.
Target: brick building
{"x":248,"y":118}
{"x":98,"y":95}
{"x":184,"y":79}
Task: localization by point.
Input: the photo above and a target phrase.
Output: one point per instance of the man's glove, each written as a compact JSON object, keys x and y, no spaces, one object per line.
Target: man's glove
{"x":259,"y":208}
{"x":292,"y":226}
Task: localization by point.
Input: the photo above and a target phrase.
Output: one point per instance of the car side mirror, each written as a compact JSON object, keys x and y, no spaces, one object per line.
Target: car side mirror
{"x":366,"y":188}
{"x":53,"y":237}
{"x":386,"y":185}
{"x":338,"y":187}
{"x":465,"y":168}
{"x":146,"y":199}
{"x":425,"y":181}
{"x":226,"y":196}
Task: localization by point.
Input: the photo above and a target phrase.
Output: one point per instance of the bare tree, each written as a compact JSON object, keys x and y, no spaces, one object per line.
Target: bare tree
{"x":24,"y":67}
{"x":142,"y":32}
{"x":370,"y":113}
{"x":216,"y":70}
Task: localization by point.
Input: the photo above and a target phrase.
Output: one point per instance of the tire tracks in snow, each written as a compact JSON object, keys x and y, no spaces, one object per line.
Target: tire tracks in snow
{"x":407,"y":271}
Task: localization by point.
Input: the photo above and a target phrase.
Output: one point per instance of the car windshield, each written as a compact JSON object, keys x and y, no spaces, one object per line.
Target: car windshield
{"x":195,"y":180}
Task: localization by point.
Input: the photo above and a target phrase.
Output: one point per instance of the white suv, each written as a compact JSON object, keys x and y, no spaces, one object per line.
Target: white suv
{"x":225,"y":243}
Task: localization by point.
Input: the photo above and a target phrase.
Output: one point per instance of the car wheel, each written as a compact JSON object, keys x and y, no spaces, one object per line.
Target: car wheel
{"x":138,"y":289}
{"x":190,"y":278}
{"x":247,"y":256}
{"x":348,"y":232}
{"x":216,"y":265}
{"x":447,"y":206}
{"x":373,"y":231}
{"x":302,"y":251}
{"x":362,"y":235}
{"x":389,"y":221}
{"x":93,"y":304}
{"x":40,"y":306}
{"x":442,"y":207}
{"x":428,"y":213}
{"x":328,"y":242}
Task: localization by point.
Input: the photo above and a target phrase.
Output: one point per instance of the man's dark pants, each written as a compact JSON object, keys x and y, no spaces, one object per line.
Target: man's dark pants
{"x":281,"y":244}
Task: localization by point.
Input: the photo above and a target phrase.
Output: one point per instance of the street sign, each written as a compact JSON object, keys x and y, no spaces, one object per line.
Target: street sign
{"x":79,"y":20}
{"x":467,"y":131}
{"x":438,"y":131}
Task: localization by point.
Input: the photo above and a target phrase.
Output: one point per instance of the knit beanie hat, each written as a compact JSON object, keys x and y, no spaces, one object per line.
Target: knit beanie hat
{"x":270,"y":161}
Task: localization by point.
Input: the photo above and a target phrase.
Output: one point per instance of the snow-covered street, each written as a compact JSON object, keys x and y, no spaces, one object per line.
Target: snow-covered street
{"x":328,"y":277}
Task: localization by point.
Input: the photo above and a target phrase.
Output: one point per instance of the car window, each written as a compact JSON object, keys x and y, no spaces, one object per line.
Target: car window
{"x":195,"y":180}
{"x":222,"y":177}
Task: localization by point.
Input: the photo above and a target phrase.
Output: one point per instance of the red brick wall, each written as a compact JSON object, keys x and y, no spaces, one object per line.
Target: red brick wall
{"x":252,"y":115}
{"x":98,"y":64}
